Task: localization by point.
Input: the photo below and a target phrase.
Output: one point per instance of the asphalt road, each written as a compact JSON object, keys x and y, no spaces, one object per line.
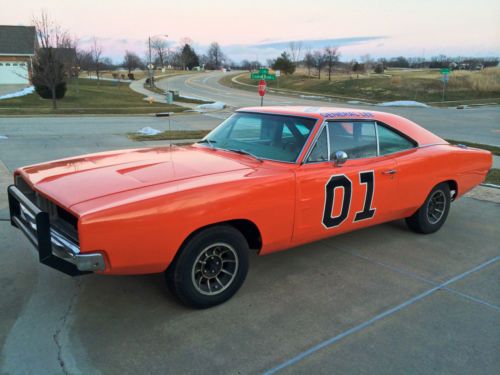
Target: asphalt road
{"x":38,"y":139}
{"x":476,"y":125}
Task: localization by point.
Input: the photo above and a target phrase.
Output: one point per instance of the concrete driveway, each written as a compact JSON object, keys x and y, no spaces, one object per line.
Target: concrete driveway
{"x":9,"y":89}
{"x":380,"y":300}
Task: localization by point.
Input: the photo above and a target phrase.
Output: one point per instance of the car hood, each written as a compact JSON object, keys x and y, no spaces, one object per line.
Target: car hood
{"x":79,"y":179}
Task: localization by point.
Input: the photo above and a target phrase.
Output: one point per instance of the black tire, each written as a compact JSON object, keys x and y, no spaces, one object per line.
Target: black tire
{"x":210,"y":267}
{"x":428,"y":219}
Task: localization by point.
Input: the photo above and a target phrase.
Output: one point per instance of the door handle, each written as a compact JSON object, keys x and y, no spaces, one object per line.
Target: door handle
{"x":390,"y":171}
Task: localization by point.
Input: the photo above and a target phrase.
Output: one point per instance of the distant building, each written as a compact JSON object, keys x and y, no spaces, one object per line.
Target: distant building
{"x":17,"y":49}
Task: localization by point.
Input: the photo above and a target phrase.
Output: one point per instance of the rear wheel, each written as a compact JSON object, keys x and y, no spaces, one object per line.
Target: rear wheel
{"x":210,"y":267}
{"x":433,"y":213}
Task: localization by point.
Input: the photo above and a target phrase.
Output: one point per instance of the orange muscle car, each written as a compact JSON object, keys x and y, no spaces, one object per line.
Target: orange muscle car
{"x":267,"y":179}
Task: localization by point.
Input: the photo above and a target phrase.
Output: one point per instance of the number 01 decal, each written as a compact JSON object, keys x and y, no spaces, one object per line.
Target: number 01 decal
{"x":343,"y":182}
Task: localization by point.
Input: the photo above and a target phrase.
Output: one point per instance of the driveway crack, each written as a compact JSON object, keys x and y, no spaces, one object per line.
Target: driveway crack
{"x":58,"y":332}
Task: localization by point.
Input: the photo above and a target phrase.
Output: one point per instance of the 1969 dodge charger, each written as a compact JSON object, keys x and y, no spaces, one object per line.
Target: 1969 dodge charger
{"x":267,"y":179}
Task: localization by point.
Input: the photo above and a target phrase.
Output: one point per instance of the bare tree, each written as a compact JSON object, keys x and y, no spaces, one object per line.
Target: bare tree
{"x":309,"y":61}
{"x":367,"y":62}
{"x":215,"y":56}
{"x":84,"y":60}
{"x":160,"y":48}
{"x":131,"y":61}
{"x":96,"y":52}
{"x":48,"y":70}
{"x":331,"y":56}
{"x":319,"y":62}
{"x":295,"y":49}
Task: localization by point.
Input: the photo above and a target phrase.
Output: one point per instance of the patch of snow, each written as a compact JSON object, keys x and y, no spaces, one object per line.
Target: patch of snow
{"x":23,"y":92}
{"x":403,"y":103}
{"x":211,"y":106}
{"x":148,"y":131}
{"x":3,"y":137}
{"x":354,"y":102}
{"x":311,"y":97}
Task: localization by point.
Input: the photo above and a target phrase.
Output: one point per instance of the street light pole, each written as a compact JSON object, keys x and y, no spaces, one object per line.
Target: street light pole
{"x":150,"y":71}
{"x":150,"y":65}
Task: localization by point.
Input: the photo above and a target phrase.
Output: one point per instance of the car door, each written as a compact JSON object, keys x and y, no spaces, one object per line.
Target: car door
{"x":331,"y":198}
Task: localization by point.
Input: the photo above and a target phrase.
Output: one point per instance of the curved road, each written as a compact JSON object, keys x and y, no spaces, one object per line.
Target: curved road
{"x":481,"y":124}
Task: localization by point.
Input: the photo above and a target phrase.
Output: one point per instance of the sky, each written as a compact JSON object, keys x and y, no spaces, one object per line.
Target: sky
{"x":261,"y":29}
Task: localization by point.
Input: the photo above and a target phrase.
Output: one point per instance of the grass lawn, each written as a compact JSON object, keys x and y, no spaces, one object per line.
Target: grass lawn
{"x":87,"y":96}
{"x":495,"y":150}
{"x":138,"y":73}
{"x":493,"y":177}
{"x":464,"y":87}
{"x":170,"y":135}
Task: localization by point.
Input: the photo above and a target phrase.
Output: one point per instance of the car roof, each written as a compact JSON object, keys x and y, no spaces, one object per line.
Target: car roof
{"x":416,"y":132}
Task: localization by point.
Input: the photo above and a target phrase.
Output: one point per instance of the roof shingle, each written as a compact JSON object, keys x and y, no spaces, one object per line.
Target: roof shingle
{"x":17,"y":40}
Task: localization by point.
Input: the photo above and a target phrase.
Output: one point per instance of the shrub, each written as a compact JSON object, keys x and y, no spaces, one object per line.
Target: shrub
{"x":46,"y":93}
{"x":379,"y":68}
{"x":131,"y":76}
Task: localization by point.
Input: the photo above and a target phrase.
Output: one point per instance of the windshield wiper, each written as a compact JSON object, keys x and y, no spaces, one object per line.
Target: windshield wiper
{"x":206,"y":140}
{"x":243,"y":152}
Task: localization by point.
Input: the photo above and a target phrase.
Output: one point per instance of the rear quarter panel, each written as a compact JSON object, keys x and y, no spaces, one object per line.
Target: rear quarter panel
{"x":420,"y":169}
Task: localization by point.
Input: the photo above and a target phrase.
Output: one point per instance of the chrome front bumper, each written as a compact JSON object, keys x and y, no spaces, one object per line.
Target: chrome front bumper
{"x":54,"y":249}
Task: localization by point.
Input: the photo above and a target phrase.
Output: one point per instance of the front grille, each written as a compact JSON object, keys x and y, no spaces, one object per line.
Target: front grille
{"x":60,"y":219}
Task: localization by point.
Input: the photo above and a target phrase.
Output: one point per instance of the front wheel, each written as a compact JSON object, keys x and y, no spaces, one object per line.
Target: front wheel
{"x":210,"y":267}
{"x":433,"y":213}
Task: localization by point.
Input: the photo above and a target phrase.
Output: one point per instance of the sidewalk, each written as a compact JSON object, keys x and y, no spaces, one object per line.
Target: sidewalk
{"x":138,"y":86}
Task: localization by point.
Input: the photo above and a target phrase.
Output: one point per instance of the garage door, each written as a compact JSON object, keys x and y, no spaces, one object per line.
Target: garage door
{"x":14,"y":73}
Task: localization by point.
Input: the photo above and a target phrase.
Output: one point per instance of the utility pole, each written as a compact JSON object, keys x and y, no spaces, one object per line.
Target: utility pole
{"x":150,"y":65}
{"x":150,"y":71}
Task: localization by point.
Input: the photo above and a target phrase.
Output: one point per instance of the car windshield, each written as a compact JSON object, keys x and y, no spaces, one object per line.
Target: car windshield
{"x":262,"y":136}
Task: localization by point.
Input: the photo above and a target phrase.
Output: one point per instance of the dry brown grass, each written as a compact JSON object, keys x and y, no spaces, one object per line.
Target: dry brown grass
{"x":425,"y":85}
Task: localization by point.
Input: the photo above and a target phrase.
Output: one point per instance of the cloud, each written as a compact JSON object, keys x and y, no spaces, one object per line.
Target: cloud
{"x":270,"y":49}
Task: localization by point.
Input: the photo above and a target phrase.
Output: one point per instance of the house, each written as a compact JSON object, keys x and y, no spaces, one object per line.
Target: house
{"x":17,"y":49}
{"x":67,"y":56}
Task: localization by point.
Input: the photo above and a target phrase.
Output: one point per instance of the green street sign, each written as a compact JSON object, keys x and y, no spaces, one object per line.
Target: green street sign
{"x":445,"y":71}
{"x":263,"y":71}
{"x":265,"y":76}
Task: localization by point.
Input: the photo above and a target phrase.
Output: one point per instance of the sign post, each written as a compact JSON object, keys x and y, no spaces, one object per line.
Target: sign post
{"x":262,"y":91}
{"x":262,"y":76}
{"x":445,"y":76}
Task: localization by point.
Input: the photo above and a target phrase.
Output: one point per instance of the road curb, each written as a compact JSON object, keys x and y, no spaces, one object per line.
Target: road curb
{"x":5,"y":180}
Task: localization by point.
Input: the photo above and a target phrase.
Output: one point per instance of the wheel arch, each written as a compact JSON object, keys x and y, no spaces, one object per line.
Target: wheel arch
{"x":453,"y":187}
{"x":246,"y":227}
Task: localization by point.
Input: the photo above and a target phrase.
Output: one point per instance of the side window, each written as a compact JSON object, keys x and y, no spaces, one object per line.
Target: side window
{"x":390,"y":141}
{"x":356,"y":138}
{"x":320,"y":151}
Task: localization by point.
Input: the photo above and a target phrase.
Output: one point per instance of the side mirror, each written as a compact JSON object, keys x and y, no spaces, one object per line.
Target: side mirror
{"x":339,"y":158}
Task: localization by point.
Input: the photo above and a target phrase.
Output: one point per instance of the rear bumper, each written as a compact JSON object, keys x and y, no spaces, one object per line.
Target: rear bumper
{"x":54,"y":249}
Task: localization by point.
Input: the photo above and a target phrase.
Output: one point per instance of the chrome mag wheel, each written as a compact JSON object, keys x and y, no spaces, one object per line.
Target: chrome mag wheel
{"x":215,"y":269}
{"x":436,"y":207}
